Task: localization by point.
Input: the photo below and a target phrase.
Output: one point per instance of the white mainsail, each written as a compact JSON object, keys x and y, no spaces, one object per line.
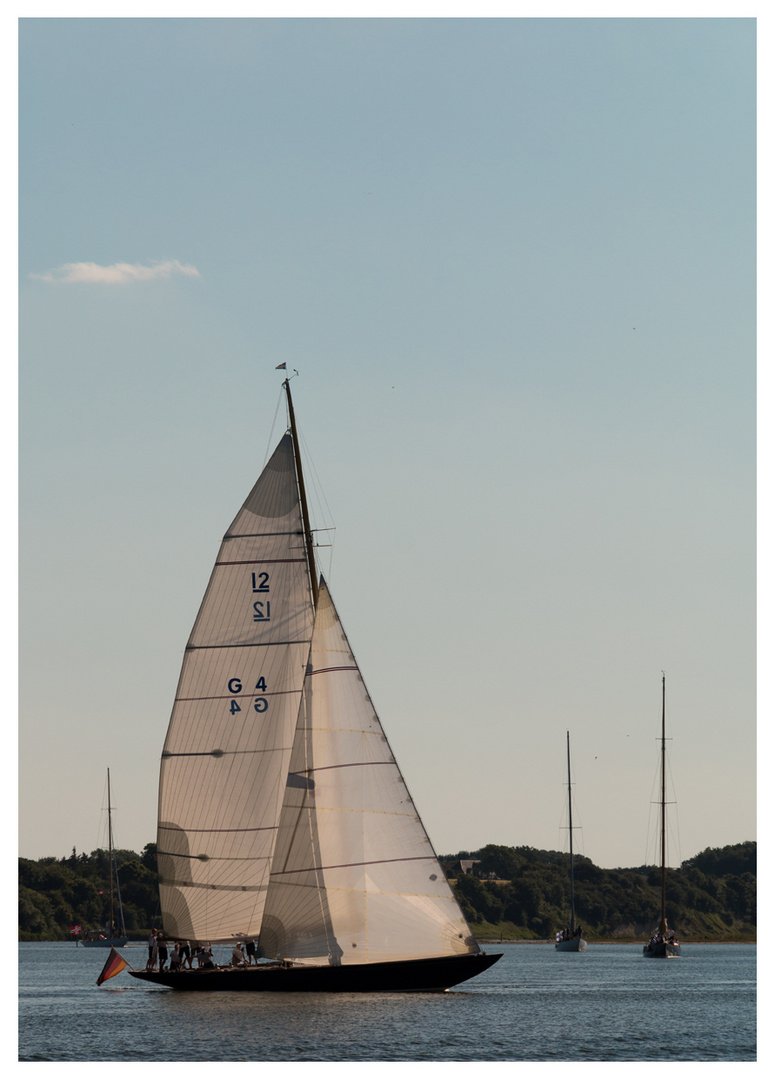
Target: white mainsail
{"x":354,"y":878}
{"x":225,"y":758}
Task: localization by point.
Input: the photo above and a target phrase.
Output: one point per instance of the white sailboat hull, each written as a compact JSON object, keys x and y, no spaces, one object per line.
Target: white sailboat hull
{"x":574,"y":945}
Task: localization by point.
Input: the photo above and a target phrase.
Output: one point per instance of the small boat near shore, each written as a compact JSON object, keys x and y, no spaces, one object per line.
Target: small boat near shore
{"x":570,"y":939}
{"x":112,"y":935}
{"x":663,"y":942}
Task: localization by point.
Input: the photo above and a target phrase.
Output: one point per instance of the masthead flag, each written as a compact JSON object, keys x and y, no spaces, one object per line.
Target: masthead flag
{"x":280,"y":367}
{"x":113,"y":966}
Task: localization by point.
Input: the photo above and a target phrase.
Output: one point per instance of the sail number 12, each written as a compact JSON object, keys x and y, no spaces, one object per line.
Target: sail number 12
{"x":260,"y":583}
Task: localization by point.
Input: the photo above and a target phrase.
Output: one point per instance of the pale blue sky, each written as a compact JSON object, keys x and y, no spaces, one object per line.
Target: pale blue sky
{"x":513,"y":261}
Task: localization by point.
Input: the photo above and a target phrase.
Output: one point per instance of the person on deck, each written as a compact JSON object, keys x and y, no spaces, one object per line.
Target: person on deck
{"x":152,"y":950}
{"x":204,"y":957}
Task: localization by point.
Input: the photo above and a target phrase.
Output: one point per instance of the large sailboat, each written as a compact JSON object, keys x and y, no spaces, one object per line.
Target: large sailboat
{"x":284,"y":819}
{"x":663,"y":941}
{"x":570,"y":939}
{"x":114,"y":933}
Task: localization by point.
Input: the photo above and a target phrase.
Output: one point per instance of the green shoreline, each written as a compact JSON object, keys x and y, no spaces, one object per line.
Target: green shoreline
{"x":609,"y":941}
{"x":505,"y":893}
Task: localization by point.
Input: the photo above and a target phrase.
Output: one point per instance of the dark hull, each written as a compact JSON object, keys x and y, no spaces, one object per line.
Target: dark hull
{"x":438,"y":973}
{"x":661,"y":949}
{"x":106,"y":943}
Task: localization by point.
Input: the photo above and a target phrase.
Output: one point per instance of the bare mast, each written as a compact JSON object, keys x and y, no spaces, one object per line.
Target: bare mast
{"x":110,"y":860}
{"x":570,"y":834}
{"x":663,"y":921}
{"x":113,"y":872}
{"x":313,"y":577}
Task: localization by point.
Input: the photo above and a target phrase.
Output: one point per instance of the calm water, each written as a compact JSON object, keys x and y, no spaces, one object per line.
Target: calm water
{"x":701,"y":1007}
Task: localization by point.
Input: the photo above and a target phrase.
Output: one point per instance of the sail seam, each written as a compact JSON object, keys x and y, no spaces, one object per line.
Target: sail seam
{"x":234,"y":697}
{"x":348,"y":866}
{"x":254,"y":536}
{"x":188,"y":832}
{"x":342,"y":667}
{"x":256,"y":561}
{"x":349,"y":765}
{"x":250,"y":644}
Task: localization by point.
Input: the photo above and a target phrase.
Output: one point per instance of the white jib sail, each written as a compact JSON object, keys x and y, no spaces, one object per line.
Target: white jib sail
{"x":354,"y":878}
{"x":225,"y":758}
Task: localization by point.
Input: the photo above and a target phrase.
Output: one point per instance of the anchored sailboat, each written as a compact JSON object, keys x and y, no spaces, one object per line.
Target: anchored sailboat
{"x":283,"y":816}
{"x":113,"y":935}
{"x":570,"y":939}
{"x":663,"y":941}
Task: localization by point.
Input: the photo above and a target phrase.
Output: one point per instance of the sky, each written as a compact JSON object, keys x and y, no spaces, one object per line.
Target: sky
{"x":513,"y":262}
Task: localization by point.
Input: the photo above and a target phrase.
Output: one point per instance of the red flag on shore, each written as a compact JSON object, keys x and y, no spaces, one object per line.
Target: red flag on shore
{"x":113,"y":965}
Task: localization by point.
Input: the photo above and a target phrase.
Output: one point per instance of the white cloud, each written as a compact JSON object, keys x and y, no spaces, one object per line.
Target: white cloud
{"x":117,"y":274}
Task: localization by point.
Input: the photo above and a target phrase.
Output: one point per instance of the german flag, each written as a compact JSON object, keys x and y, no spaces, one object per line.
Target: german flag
{"x":113,"y":965}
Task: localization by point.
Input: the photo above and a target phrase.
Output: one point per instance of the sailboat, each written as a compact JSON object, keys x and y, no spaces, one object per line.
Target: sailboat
{"x":663,"y":941}
{"x":570,"y":939}
{"x":113,"y":935}
{"x":284,"y":820}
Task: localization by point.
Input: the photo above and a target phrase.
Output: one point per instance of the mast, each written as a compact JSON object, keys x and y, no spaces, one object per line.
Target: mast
{"x":570,"y":833}
{"x":663,"y":921}
{"x":113,"y":870}
{"x":303,"y":499}
{"x":110,"y":860}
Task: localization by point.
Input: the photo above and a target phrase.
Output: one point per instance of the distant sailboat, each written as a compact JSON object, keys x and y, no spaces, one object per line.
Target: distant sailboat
{"x":283,"y":816}
{"x":113,"y":935}
{"x":570,"y":939}
{"x":663,"y":941}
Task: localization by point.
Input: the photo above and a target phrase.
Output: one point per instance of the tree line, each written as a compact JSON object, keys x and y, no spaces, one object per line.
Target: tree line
{"x":513,"y":892}
{"x":521,"y":892}
{"x":58,"y":894}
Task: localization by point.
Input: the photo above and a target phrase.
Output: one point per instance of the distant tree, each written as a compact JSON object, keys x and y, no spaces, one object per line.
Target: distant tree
{"x":503,"y":862}
{"x":734,"y":859}
{"x":139,"y":894}
{"x":36,"y":917}
{"x":148,"y":857}
{"x":484,"y":900}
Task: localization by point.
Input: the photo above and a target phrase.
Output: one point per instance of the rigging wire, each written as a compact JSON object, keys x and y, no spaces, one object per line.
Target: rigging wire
{"x":271,"y":429}
{"x":671,"y":819}
{"x":323,"y":510}
{"x":672,"y":826}
{"x":562,"y":828}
